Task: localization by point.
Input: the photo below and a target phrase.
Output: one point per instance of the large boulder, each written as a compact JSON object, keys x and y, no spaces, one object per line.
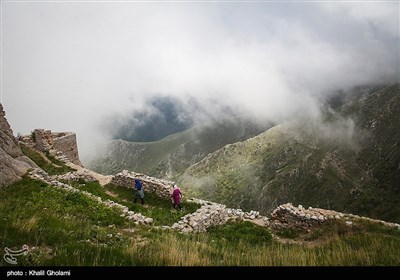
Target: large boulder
{"x":13,"y":164}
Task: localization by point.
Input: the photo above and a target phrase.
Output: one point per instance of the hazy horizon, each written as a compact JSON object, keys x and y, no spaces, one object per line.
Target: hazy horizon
{"x":72,"y":66}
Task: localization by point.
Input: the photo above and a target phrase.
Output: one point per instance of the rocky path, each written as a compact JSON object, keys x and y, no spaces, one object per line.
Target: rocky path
{"x":103,"y":179}
{"x":258,"y":221}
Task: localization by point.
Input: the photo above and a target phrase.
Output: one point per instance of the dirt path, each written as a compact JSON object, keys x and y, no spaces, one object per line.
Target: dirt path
{"x":103,"y":179}
{"x":259,"y":222}
{"x":111,"y":193}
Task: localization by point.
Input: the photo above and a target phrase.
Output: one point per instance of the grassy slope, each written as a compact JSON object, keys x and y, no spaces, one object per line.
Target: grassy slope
{"x":62,"y":228}
{"x":155,"y":207}
{"x":52,"y":168}
{"x":293,"y":163}
{"x":174,"y":153}
{"x":381,"y":158}
{"x":229,"y":175}
{"x":138,"y":156}
{"x":68,"y":229}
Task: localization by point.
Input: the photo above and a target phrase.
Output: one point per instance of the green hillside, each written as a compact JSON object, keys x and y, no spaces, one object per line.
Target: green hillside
{"x":65,"y":228}
{"x":349,"y":161}
{"x":69,"y":229}
{"x":173,"y":154}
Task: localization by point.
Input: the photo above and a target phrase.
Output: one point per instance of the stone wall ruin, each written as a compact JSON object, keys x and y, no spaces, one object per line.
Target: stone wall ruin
{"x":61,"y":143}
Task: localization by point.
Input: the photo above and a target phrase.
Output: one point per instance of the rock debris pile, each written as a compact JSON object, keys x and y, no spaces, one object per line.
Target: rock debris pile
{"x":300,"y":218}
{"x":210,"y":214}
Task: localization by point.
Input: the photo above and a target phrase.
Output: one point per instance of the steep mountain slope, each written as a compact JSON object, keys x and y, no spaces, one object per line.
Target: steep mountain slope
{"x":350,"y":162}
{"x":13,"y":163}
{"x":174,"y":153}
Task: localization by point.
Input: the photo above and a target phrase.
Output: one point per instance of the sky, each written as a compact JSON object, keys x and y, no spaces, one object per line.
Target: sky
{"x":71,"y":66}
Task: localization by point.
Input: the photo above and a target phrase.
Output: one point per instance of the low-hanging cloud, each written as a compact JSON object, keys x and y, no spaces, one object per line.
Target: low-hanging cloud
{"x":67,"y":66}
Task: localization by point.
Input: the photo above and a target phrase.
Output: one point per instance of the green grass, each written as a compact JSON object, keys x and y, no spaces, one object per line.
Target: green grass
{"x":219,"y":248}
{"x":96,"y":189}
{"x":336,"y":229}
{"x":63,"y":228}
{"x":54,"y":221}
{"x":234,"y":231}
{"x":50,"y":168}
{"x":288,"y":233}
{"x":155,"y":207}
{"x":53,"y":159}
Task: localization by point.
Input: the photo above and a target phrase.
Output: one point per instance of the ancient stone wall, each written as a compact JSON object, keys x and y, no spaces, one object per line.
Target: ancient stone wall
{"x":40,"y":174}
{"x":65,"y":142}
{"x":300,"y":218}
{"x":212,"y":214}
{"x":206,"y":216}
{"x":161,"y":188}
{"x":62,"y":144}
{"x":209,"y":214}
{"x":43,"y":140}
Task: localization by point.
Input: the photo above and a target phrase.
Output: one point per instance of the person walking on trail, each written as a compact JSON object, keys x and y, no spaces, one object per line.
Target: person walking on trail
{"x":139,"y":190}
{"x":176,"y":197}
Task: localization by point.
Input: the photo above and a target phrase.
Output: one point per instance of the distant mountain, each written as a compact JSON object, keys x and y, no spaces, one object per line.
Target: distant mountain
{"x":165,"y":116}
{"x":171,"y":155}
{"x":349,"y":161}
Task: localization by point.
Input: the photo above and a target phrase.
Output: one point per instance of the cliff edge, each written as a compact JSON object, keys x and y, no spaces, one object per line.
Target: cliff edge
{"x":13,"y":164}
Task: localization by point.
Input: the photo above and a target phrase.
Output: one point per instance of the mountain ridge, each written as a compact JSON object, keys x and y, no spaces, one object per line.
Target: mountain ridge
{"x":173,"y":154}
{"x":310,"y":164}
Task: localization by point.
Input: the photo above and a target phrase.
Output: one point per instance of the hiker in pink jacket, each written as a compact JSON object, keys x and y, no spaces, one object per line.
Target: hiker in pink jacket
{"x":176,"y":197}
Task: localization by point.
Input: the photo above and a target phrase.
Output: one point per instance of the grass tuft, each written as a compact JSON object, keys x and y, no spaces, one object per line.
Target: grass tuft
{"x":50,"y":168}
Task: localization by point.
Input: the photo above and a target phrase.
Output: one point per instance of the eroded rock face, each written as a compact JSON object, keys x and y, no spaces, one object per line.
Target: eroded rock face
{"x":13,"y":164}
{"x":8,"y":143}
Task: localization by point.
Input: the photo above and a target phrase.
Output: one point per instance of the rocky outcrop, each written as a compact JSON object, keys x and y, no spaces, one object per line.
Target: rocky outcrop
{"x":13,"y":164}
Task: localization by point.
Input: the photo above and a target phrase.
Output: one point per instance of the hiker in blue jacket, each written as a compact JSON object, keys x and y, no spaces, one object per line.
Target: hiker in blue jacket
{"x":139,"y":190}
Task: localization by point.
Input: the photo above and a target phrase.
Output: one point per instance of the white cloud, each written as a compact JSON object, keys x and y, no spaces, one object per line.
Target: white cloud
{"x":382,"y":15}
{"x":66,"y":66}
